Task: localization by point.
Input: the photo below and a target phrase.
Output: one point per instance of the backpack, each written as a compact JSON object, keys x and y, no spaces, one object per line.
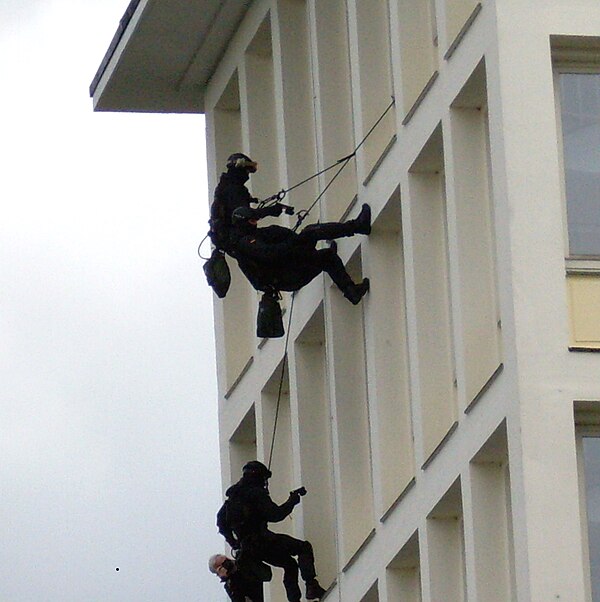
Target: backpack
{"x":233,"y":515}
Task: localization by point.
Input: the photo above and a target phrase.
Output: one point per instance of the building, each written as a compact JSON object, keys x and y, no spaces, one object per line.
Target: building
{"x":446,"y":428}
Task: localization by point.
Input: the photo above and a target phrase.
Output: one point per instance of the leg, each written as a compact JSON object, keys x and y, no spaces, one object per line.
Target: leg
{"x":332,"y":230}
{"x":331,"y":263}
{"x":285,"y":546}
{"x":255,"y":592}
{"x":279,"y":558}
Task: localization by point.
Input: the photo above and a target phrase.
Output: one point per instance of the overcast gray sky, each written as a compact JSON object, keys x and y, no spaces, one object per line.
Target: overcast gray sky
{"x":108,"y":436}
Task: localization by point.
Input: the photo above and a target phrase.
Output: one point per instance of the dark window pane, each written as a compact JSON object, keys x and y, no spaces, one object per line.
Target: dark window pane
{"x":580,"y":104}
{"x":591,"y":454}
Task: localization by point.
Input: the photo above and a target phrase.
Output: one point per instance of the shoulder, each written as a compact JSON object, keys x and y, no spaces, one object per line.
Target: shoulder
{"x":255,"y":493}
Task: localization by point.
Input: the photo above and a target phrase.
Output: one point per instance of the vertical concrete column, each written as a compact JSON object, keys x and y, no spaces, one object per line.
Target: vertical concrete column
{"x":237,"y":311}
{"x":445,"y":545}
{"x":273,"y":406}
{"x":456,"y":15}
{"x":242,"y":446}
{"x":257,"y":90}
{"x":311,"y":385}
{"x":335,"y":128}
{"x":473,"y":241}
{"x":416,"y":52}
{"x":387,"y":357}
{"x":437,"y":393}
{"x":372,"y":76}
{"x":352,"y":450}
{"x":488,"y":526}
{"x":403,"y":574}
{"x":294,"y":97}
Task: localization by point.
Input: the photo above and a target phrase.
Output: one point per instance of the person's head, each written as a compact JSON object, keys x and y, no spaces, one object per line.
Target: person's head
{"x":256,"y":471}
{"x":243,"y":215}
{"x":239,"y":161}
{"x":220,"y":565}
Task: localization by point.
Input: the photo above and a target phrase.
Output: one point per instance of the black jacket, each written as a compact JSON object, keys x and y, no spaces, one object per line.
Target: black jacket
{"x":230,"y":194}
{"x":238,"y":587}
{"x":250,"y":510}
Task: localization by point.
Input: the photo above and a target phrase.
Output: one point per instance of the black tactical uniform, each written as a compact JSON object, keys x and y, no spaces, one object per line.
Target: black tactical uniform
{"x":241,"y":584}
{"x":239,"y":587}
{"x":277,"y":258}
{"x":243,"y":521}
{"x":230,"y":194}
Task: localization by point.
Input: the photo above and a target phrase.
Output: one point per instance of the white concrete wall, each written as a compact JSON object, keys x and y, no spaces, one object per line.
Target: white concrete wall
{"x":433,"y":424}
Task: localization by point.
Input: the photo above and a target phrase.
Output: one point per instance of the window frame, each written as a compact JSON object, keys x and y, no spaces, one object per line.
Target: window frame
{"x":575,"y":264}
{"x":587,"y":426}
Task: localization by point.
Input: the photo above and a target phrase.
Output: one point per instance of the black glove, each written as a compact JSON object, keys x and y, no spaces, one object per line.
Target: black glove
{"x":296,"y":494}
{"x":275,"y":210}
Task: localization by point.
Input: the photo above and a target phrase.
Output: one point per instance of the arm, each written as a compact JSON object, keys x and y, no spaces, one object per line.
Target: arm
{"x":269,"y":510}
{"x":269,"y":211}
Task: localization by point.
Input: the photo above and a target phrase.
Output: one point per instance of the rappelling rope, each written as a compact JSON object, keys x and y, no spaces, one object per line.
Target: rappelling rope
{"x":285,"y":353}
{"x":303,"y":214}
{"x":200,"y":248}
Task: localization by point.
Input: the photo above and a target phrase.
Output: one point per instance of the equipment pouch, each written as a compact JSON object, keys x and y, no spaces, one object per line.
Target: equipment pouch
{"x":217,"y":273}
{"x":269,"y":321}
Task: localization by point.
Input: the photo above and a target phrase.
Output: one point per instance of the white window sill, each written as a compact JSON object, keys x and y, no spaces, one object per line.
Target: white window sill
{"x":589,"y":265}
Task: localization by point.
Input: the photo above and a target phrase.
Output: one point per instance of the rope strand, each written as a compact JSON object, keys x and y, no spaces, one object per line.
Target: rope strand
{"x":285,"y":353}
{"x":344,"y":160}
{"x":301,"y":217}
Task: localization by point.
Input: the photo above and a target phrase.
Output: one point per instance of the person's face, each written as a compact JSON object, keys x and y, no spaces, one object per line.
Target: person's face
{"x":220,"y":566}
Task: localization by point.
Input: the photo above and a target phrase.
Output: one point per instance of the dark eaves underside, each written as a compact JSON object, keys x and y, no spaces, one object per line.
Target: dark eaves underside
{"x":123,"y":23}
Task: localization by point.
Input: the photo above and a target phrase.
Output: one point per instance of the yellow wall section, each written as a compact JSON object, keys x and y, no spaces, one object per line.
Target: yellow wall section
{"x":584,"y":299}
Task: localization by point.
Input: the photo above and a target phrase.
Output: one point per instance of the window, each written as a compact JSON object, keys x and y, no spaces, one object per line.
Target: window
{"x":580,"y":116}
{"x":590,"y":452}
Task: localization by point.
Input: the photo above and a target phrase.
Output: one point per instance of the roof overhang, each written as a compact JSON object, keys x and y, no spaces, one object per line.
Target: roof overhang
{"x":164,"y":53}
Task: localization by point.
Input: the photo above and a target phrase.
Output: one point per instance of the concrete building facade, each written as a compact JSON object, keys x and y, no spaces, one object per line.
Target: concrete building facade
{"x":447,"y":427}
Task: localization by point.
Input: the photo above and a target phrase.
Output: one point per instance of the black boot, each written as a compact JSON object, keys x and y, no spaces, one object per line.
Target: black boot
{"x":332,"y":264}
{"x":314,"y":591}
{"x":362,"y":224}
{"x":331,"y":230}
{"x":355,"y":292}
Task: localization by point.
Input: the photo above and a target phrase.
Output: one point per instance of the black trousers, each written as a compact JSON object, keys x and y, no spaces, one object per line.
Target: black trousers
{"x":278,"y":549}
{"x":238,"y":588}
{"x":279,"y":258}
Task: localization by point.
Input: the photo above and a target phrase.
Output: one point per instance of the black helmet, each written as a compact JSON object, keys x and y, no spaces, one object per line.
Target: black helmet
{"x":241,"y":161}
{"x":256,"y":470}
{"x":242,"y":214}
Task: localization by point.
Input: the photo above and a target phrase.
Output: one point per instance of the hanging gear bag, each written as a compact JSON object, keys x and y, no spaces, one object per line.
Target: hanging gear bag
{"x":217,"y":273}
{"x":269,"y":321}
